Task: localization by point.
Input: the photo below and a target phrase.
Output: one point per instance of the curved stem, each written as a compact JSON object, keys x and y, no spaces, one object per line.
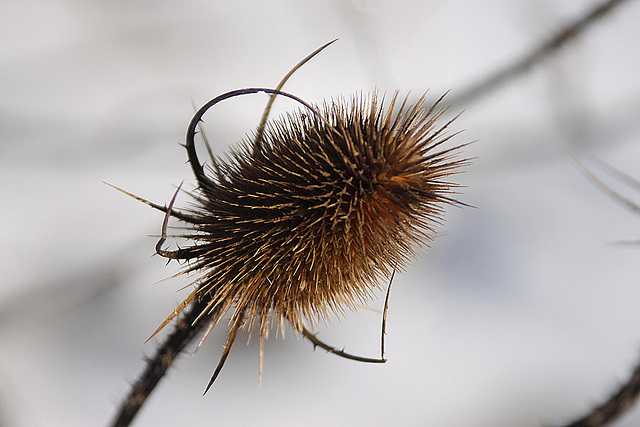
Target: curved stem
{"x":196,"y":167}
{"x":317,"y":343}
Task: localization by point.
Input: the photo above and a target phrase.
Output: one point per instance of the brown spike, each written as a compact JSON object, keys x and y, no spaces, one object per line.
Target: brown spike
{"x":235,"y":327}
{"x":175,"y":312}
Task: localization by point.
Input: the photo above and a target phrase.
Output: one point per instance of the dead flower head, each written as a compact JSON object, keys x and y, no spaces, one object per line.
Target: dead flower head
{"x":305,"y":219}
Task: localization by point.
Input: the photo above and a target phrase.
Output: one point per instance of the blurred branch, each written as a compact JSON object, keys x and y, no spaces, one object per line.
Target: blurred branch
{"x":520,"y":66}
{"x":613,"y":408}
{"x":628,"y":393}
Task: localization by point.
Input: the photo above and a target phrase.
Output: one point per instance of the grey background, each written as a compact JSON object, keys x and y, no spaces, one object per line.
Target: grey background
{"x":524,"y":312}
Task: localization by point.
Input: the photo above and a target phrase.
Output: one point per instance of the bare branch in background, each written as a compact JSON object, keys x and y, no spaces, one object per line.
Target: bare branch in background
{"x":493,"y":82}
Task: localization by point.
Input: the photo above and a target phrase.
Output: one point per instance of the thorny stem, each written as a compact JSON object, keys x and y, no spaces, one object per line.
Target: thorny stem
{"x":184,"y":331}
{"x":523,"y":64}
{"x":330,"y":349}
{"x":613,"y":408}
{"x":203,"y":181}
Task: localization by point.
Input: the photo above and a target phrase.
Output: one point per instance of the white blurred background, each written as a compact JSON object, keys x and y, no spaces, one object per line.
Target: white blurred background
{"x":525,"y":312}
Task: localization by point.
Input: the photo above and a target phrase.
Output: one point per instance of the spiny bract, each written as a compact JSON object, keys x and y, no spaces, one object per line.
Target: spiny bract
{"x":307,"y":222}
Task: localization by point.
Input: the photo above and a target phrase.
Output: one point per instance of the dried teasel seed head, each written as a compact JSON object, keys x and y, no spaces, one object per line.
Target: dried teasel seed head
{"x":306,"y":219}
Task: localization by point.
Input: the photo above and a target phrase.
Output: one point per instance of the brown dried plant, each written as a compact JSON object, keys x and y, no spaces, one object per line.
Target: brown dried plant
{"x":305,"y":219}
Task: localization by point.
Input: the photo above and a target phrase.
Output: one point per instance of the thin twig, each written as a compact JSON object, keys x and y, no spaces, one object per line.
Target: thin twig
{"x":523,"y":64}
{"x":613,"y":408}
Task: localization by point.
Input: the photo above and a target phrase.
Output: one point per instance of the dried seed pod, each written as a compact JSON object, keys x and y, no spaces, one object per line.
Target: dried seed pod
{"x":305,"y":221}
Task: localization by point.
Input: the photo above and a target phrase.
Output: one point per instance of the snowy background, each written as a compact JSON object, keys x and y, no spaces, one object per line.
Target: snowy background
{"x":524,"y":312}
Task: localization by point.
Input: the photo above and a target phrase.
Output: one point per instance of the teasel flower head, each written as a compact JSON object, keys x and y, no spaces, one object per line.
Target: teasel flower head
{"x":307,"y":218}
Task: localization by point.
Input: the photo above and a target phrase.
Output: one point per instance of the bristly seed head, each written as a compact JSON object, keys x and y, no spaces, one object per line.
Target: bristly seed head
{"x":306,"y":223}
